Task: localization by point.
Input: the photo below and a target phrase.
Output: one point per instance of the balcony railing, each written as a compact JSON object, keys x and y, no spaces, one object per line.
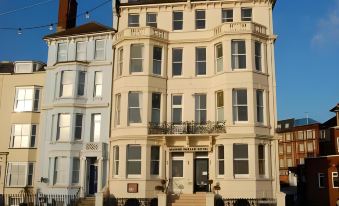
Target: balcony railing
{"x":235,"y":27}
{"x":140,"y":32}
{"x":187,"y":128}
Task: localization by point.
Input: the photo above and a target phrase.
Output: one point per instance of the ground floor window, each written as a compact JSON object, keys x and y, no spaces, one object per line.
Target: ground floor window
{"x":221,"y":160}
{"x":133,"y":160}
{"x":177,"y":164}
{"x":20,"y":174}
{"x":240,"y":159}
{"x":155,"y":160}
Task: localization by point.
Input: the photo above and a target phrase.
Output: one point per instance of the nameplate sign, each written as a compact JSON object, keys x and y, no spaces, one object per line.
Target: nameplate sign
{"x":132,"y":187}
{"x":189,"y":149}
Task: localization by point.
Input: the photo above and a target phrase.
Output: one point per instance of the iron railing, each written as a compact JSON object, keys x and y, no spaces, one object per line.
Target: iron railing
{"x":112,"y":201}
{"x":250,"y":202}
{"x":191,"y":127}
{"x":39,"y":199}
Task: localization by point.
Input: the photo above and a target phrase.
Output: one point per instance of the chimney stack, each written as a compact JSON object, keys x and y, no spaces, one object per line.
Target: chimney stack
{"x":67,"y":14}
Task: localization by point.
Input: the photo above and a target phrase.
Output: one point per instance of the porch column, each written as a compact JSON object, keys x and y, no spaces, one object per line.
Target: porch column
{"x":82,"y":176}
{"x":100,"y":166}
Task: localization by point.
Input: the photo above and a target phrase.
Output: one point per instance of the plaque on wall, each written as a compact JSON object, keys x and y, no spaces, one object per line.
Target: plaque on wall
{"x":132,"y":187}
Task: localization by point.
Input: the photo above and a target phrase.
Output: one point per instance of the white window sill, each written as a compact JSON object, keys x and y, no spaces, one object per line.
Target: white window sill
{"x":134,"y":176}
{"x":241,"y":176}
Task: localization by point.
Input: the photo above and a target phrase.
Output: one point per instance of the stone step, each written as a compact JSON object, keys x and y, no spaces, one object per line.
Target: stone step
{"x":198,"y":199}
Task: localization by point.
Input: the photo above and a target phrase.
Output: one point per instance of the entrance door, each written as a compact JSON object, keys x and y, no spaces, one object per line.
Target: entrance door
{"x":201,"y":175}
{"x":93,"y":178}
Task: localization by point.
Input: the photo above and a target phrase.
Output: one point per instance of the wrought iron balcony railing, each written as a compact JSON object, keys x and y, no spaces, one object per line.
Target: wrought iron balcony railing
{"x":187,"y":127}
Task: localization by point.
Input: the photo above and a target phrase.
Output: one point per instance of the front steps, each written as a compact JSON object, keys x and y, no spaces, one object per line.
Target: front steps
{"x":87,"y":201}
{"x":198,"y":199}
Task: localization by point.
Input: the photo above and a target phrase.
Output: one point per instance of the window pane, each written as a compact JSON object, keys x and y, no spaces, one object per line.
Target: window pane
{"x":133,"y":20}
{"x":134,"y":152}
{"x":177,"y":20}
{"x":157,"y":56}
{"x":200,"y":19}
{"x":81,"y":83}
{"x":134,"y":168}
{"x":99,"y":49}
{"x":241,"y":167}
{"x":177,"y":116}
{"x":227,"y":15}
{"x":151,"y":19}
{"x":134,"y":115}
{"x":136,"y":58}
{"x":240,"y":151}
{"x":133,"y":99}
{"x":220,"y":152}
{"x":221,"y":167}
{"x":177,"y":168}
{"x":246,"y":14}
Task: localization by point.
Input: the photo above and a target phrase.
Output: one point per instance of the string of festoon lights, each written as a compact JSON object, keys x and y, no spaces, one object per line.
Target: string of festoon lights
{"x":50,"y":26}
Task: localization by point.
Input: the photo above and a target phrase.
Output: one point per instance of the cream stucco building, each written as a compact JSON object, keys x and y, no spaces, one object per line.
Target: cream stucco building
{"x":194,"y":99}
{"x":21,"y":91}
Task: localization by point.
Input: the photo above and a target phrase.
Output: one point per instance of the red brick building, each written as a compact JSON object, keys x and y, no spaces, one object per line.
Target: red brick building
{"x":299,"y":139}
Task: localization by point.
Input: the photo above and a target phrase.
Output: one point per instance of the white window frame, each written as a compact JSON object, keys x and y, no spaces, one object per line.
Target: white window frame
{"x":98,"y":81}
{"x":9,"y":173}
{"x":310,"y":149}
{"x":59,"y":170}
{"x":200,"y":19}
{"x":154,"y":109}
{"x":151,"y":23}
{"x":120,"y":61}
{"x":116,"y":159}
{"x":236,"y":55}
{"x":220,"y":160}
{"x":236,"y":175}
{"x":132,"y":107}
{"x":133,"y":160}
{"x":35,"y":100}
{"x":81,"y":55}
{"x":177,"y":62}
{"x":226,"y":18}
{"x":30,"y":136}
{"x":62,"y":52}
{"x":77,"y":126}
{"x":320,"y":176}
{"x":178,"y":158}
{"x":177,"y":106}
{"x":199,"y":109}
{"x":303,"y":147}
{"x":118,"y":109}
{"x":98,"y":49}
{"x":64,"y":85}
{"x":96,"y":127}
{"x":156,"y":161}
{"x":60,"y":127}
{"x":157,"y":61}
{"x":198,"y":61}
{"x":75,"y":171}
{"x":258,"y":56}
{"x":220,"y":109}
{"x":81,"y":83}
{"x":181,"y":21}
{"x":133,"y":24}
{"x":262,"y":161}
{"x":237,"y":105}
{"x":260,"y":107}
{"x":137,"y":58}
{"x":219,"y":62}
{"x":246,"y":18}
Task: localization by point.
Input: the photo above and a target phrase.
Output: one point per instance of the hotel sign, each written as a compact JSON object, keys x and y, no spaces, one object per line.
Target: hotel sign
{"x":189,"y":149}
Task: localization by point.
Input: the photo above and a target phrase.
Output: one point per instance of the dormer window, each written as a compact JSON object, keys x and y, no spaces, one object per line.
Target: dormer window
{"x":23,"y":68}
{"x":62,"y":52}
{"x":133,"y":20}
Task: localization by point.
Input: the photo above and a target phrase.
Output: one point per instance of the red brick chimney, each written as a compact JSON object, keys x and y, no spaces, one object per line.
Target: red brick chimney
{"x":67,"y":14}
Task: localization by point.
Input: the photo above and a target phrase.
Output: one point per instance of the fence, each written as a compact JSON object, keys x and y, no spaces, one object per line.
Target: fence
{"x":112,"y":201}
{"x":246,"y":202}
{"x":38,"y":199}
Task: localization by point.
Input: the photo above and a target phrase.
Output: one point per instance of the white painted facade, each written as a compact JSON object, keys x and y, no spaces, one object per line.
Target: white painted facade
{"x":73,"y":148}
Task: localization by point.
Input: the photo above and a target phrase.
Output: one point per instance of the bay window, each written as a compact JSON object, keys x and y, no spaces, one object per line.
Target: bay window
{"x":137,"y":58}
{"x":157,"y":60}
{"x":133,"y":160}
{"x":156,"y":101}
{"x":134,"y":107}
{"x":240,"y":112}
{"x":260,"y":106}
{"x":220,"y":106}
{"x":220,"y":160}
{"x":200,"y":60}
{"x":116,"y":160}
{"x":238,"y":48}
{"x":240,"y":159}
{"x":219,"y":58}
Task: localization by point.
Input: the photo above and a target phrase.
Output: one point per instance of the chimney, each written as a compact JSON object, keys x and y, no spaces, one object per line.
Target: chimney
{"x":67,"y":14}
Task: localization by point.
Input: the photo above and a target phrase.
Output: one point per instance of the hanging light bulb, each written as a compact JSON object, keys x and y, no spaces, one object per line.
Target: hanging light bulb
{"x":50,"y":27}
{"x":19,"y":31}
{"x":87,"y":15}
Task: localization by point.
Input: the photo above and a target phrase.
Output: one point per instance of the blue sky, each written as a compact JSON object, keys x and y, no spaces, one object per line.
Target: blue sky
{"x":307,"y":48}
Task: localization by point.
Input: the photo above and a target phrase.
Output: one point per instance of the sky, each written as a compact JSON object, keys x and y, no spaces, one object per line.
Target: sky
{"x":306,"y":50}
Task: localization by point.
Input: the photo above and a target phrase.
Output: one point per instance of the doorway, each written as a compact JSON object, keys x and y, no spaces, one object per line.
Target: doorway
{"x":92,"y":177}
{"x":201,"y":172}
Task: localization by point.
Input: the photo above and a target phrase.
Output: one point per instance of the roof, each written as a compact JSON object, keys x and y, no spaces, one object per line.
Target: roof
{"x":330,"y":123}
{"x":6,"y":67}
{"x":88,"y":28}
{"x":139,"y":2}
{"x":335,"y":109}
{"x":304,"y":121}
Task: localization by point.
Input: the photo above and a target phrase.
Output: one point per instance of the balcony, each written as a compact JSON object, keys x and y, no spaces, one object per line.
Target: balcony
{"x":139,"y":32}
{"x":240,"y":27}
{"x":186,"y":128}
